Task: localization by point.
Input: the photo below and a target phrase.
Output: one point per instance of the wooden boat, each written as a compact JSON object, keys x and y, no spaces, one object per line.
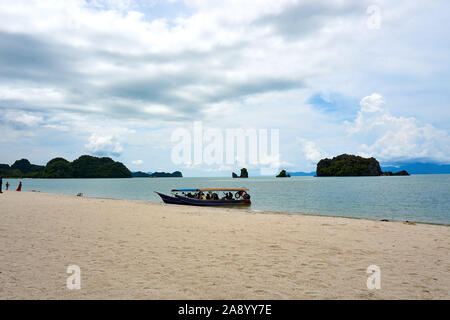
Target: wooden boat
{"x":168,"y":199}
{"x":172,"y":199}
{"x":208,"y":197}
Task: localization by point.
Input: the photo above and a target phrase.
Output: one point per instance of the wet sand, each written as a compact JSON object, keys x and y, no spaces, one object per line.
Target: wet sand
{"x":138,"y":250}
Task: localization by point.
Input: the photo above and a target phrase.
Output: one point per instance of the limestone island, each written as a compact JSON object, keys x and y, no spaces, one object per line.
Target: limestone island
{"x":244,"y":174}
{"x":283,"y":174}
{"x":175,"y":174}
{"x":58,"y":168}
{"x":347,"y":165}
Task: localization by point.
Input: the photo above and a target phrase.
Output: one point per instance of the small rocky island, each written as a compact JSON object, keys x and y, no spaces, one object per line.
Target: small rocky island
{"x":244,"y":174}
{"x":283,"y":174}
{"x":140,"y":174}
{"x":347,"y":165}
{"x":400,"y":173}
{"x":175,"y":174}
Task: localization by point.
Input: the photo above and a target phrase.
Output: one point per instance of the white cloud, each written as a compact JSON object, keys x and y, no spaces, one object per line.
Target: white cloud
{"x":310,"y":150}
{"x":22,"y":119}
{"x":104,"y":145}
{"x":388,"y":137}
{"x":137,"y":162}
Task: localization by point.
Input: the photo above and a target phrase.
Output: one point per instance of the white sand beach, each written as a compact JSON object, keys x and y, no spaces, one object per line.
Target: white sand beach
{"x":138,"y":250}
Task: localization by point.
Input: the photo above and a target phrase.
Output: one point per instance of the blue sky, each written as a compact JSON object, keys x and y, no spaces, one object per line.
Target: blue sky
{"x":116,"y":78}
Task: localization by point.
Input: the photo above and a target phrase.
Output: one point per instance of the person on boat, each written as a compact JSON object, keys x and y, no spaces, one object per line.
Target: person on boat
{"x":215,"y":196}
{"x":208,"y":197}
{"x":19,"y":188}
{"x":203,"y":196}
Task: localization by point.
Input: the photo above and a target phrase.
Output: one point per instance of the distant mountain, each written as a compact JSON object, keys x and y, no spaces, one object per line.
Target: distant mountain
{"x":302,"y":174}
{"x":26,"y":167}
{"x":140,"y":174}
{"x":21,"y":169}
{"x":175,"y":174}
{"x":418,"y":167}
{"x":58,"y":168}
{"x":83,"y":167}
{"x":93,"y":167}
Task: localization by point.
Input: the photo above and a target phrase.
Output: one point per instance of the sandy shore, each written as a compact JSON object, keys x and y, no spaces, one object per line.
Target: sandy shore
{"x":138,"y":250}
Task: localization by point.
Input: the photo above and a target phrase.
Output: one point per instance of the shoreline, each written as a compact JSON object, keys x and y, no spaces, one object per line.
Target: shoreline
{"x":130,"y":249}
{"x":249,"y":210}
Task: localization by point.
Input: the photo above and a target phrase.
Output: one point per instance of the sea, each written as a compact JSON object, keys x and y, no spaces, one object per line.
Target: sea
{"x":415,"y":198}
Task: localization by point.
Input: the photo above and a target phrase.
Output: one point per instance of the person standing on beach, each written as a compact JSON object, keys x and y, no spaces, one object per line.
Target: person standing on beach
{"x":19,"y":188}
{"x":1,"y":183}
{"x":7,"y":185}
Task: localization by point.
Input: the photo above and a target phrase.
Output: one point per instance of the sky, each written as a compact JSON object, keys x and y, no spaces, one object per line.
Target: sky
{"x":117,"y":78}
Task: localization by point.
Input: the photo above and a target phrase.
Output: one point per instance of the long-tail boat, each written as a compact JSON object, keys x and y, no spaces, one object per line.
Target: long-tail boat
{"x":210,"y":197}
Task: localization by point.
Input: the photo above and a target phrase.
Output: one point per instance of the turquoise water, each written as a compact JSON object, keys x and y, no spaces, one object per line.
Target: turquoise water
{"x":419,"y":198}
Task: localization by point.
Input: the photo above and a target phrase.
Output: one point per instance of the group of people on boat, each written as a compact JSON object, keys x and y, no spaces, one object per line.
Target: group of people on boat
{"x":202,"y":196}
{"x":207,"y":196}
{"x":214,"y":196}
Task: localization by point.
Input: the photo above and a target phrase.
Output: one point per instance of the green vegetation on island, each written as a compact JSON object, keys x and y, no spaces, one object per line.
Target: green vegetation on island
{"x":400,"y":173}
{"x":175,"y":174}
{"x":140,"y":174}
{"x":347,"y":165}
{"x":58,"y":168}
{"x":83,"y":167}
{"x":21,"y":169}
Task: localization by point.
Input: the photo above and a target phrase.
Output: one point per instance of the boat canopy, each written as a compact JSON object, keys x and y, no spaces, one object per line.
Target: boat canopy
{"x":224,"y":189}
{"x":211,"y":189}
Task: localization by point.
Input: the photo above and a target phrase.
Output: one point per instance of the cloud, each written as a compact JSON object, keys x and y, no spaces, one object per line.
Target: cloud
{"x":21,"y":119}
{"x":137,"y":162}
{"x":104,"y":145}
{"x":310,"y":150}
{"x":396,"y":138}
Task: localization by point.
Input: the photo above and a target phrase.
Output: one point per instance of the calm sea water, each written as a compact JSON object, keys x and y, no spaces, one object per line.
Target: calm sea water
{"x":419,"y":198}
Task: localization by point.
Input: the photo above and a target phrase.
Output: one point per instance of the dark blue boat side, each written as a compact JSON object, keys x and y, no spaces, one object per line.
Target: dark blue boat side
{"x":169,"y":199}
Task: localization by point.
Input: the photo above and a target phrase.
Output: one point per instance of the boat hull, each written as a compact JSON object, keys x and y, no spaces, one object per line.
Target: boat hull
{"x":213,"y":203}
{"x":169,"y":199}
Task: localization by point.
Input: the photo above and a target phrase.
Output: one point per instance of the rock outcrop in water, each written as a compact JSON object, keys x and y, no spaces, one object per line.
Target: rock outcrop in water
{"x":400,"y":173}
{"x":347,"y":165}
{"x":244,"y":174}
{"x":283,"y":174}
